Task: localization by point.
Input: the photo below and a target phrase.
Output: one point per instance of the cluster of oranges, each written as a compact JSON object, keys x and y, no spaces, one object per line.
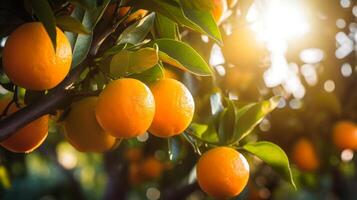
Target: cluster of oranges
{"x":127,"y":108}
{"x":304,"y":153}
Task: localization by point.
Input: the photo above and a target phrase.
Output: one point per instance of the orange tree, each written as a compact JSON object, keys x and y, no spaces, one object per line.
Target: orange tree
{"x":122,"y":57}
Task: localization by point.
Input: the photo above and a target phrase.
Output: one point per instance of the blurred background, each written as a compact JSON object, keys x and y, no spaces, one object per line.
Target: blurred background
{"x":302,"y":50}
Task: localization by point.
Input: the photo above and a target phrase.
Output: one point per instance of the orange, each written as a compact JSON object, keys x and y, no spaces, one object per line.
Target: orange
{"x":27,"y":138}
{"x":134,"y":174}
{"x":219,"y":8}
{"x":125,"y":108}
{"x":169,"y":73}
{"x":304,"y":155}
{"x":345,"y":135}
{"x":82,"y":129}
{"x":29,"y":58}
{"x":134,"y":16}
{"x":151,"y":168}
{"x":133,"y":154}
{"x":174,"y":108}
{"x":222,"y":172}
{"x":109,"y":13}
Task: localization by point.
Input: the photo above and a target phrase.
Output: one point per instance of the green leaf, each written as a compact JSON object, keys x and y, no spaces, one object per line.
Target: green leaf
{"x":71,"y":24}
{"x":81,"y":43}
{"x":88,"y":4}
{"x":198,"y":4}
{"x":183,"y":56}
{"x":173,"y":11}
{"x":133,"y":61}
{"x":227,"y":123}
{"x":251,"y":115}
{"x":274,"y":156}
{"x":114,"y":50}
{"x":165,"y":28}
{"x":137,"y":32}
{"x":119,"y":65}
{"x":205,"y":133}
{"x":204,"y":19}
{"x":143,"y":59}
{"x":43,"y":11}
{"x":151,"y":75}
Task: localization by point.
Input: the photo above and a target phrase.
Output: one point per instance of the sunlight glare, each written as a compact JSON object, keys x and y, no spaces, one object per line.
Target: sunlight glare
{"x":275,"y":22}
{"x":277,"y":19}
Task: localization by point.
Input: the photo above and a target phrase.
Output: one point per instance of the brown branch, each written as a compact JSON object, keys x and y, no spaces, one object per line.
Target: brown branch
{"x":55,"y":98}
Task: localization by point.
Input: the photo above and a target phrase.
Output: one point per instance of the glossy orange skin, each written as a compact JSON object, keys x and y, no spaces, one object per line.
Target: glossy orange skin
{"x":27,"y":138}
{"x":82,"y":129}
{"x":305,"y":156}
{"x":174,"y":108}
{"x":345,"y":135}
{"x":219,"y":8}
{"x":151,"y":168}
{"x":222,"y":172}
{"x":29,"y":58}
{"x":125,"y":108}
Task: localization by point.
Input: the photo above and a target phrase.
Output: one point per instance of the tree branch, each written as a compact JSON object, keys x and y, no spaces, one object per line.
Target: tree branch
{"x":54,"y":98}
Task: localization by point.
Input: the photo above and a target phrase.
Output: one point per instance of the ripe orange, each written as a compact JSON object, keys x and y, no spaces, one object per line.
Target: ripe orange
{"x":219,"y":8}
{"x":82,"y":129}
{"x":151,"y":168}
{"x":305,"y":156}
{"x":169,"y":73}
{"x":125,"y":108}
{"x":174,"y":108}
{"x":222,"y":172}
{"x":345,"y":135}
{"x":27,"y":138}
{"x":29,"y":58}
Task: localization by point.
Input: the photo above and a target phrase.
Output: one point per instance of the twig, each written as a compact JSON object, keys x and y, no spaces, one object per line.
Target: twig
{"x":4,"y":112}
{"x":99,"y":41}
{"x":86,"y":93}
